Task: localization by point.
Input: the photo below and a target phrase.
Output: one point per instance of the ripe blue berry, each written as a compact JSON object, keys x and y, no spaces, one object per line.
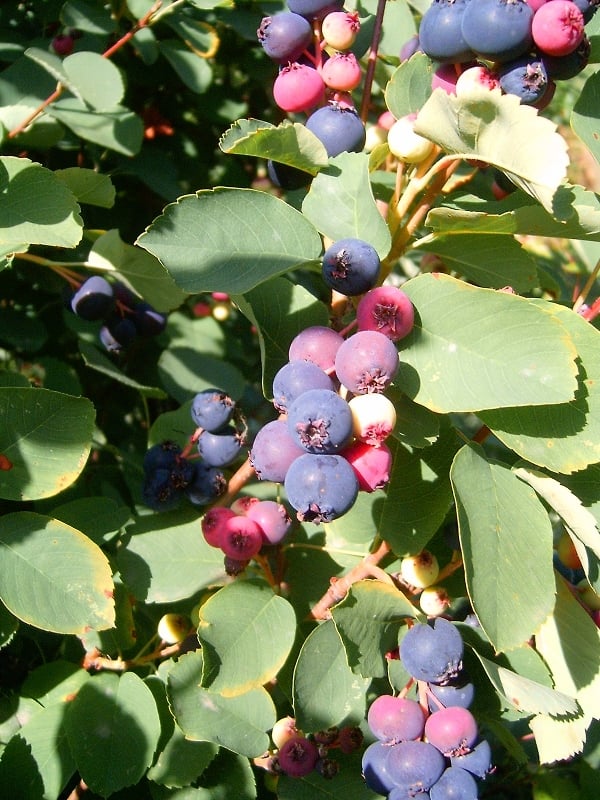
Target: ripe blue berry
{"x":207,"y":484}
{"x":219,"y":449}
{"x":478,"y":762}
{"x":432,"y":651}
{"x":454,"y":783}
{"x":286,"y":177}
{"x":295,"y":378}
{"x":415,"y":766}
{"x":147,"y":320}
{"x":340,"y":129}
{"x":320,"y":421}
{"x":314,"y":9}
{"x":498,"y":30}
{"x":351,"y":266}
{"x":451,"y":695}
{"x":321,"y":488}
{"x":374,"y":768}
{"x":212,"y":409}
{"x":440,"y":35}
{"x":284,"y":36}
{"x":525,"y":77}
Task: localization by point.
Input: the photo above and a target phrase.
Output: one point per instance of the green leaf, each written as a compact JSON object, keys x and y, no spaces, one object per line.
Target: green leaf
{"x":123,"y":635}
{"x":167,"y":559}
{"x":244,"y":617}
{"x":181,"y":761}
{"x":88,"y":16}
{"x":113,"y":728}
{"x":459,"y":359}
{"x":53,"y":65}
{"x":326,"y":691}
{"x":88,"y":186}
{"x":185,"y":371}
{"x":22,"y":329}
{"x":279,"y":309}
{"x":117,"y":129}
{"x":46,"y":438}
{"x":584,"y":118}
{"x":229,"y":240}
{"x":348,"y":784}
{"x":38,"y":583}
{"x":37,"y":759}
{"x":340,"y":203}
{"x":506,"y":540}
{"x":37,"y":208}
{"x":527,"y":695}
{"x":100,"y":518}
{"x":287,"y":143}
{"x":496,"y":128}
{"x":228,"y":776}
{"x":579,"y":522}
{"x":563,"y":437}
{"x":558,"y":739}
{"x":96,"y":360}
{"x":194,"y":71}
{"x":367,"y":620}
{"x":239,"y":723}
{"x":569,"y":642}
{"x":42,"y":133}
{"x":520,"y":214}
{"x":410,"y":86}
{"x":9,"y":625}
{"x":139,"y":270}
{"x":416,"y":425}
{"x":96,"y":79}
{"x":54,"y":682}
{"x":418,"y":495}
{"x":493,"y":261}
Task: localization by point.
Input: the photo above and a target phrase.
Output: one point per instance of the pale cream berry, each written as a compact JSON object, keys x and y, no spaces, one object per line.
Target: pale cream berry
{"x":420,"y":570}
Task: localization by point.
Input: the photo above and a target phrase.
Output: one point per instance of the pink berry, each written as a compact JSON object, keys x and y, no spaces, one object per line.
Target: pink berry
{"x":342,"y":72}
{"x":213,"y":524}
{"x":386,"y":120}
{"x":452,"y":730}
{"x":370,"y":464}
{"x":445,"y":77}
{"x":273,"y":519}
{"x":298,"y":87}
{"x":373,"y":417}
{"x":339,"y":29}
{"x":557,"y":27}
{"x":63,"y":44}
{"x":535,"y":4}
{"x":318,"y":344}
{"x":388,"y":310}
{"x":241,"y":538}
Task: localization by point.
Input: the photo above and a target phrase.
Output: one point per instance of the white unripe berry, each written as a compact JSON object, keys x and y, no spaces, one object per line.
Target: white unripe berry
{"x":283,"y":730}
{"x":407,"y":145}
{"x":173,"y":628}
{"x":373,"y":417}
{"x":434,"y":600}
{"x":420,"y":570}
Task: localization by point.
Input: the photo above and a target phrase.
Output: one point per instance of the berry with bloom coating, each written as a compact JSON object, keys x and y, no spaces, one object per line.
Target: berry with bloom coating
{"x":212,"y":409}
{"x":298,"y":756}
{"x":407,"y":145}
{"x":320,"y":421}
{"x":415,"y":765}
{"x":342,"y":72}
{"x":273,"y":451}
{"x":318,"y":344}
{"x":374,"y":770}
{"x":284,"y":36}
{"x":314,"y":9}
{"x":339,"y":129}
{"x":321,"y":488}
{"x":295,"y":378}
{"x":298,"y":87}
{"x":455,"y":783}
{"x":273,"y":519}
{"x":498,"y":30}
{"x":478,"y":761}
{"x":433,"y":651}
{"x":440,"y":34}
{"x":388,"y":310}
{"x":395,"y":719}
{"x":351,"y":266}
{"x":366,"y":362}
{"x":452,"y":730}
{"x":373,"y":417}
{"x":526,"y":77}
{"x":94,"y":299}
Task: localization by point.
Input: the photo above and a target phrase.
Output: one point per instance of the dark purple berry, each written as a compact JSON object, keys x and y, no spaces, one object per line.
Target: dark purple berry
{"x":478,"y":761}
{"x":285,"y":176}
{"x":351,"y":266}
{"x":374,"y":768}
{"x":415,"y":766}
{"x":147,"y":320}
{"x":321,"y":488}
{"x":161,"y":456}
{"x":314,"y":9}
{"x":94,"y":300}
{"x":207,"y":484}
{"x":298,"y":756}
{"x":284,"y":36}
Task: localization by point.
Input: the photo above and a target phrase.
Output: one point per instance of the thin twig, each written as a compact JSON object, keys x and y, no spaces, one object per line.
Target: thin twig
{"x":372,"y":62}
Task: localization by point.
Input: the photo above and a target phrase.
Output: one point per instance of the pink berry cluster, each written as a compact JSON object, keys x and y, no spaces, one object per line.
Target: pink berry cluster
{"x":297,"y":755}
{"x":430,"y":745}
{"x":244,"y":528}
{"x":522,"y":47}
{"x":328,"y":442}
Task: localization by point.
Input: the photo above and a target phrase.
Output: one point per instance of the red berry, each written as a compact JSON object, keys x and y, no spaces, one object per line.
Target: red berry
{"x":298,"y":756}
{"x":213,"y":524}
{"x":63,"y":44}
{"x":388,"y":310}
{"x":371,"y":465}
{"x":241,"y":538}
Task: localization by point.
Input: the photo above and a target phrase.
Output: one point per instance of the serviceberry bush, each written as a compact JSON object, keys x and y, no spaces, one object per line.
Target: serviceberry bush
{"x":299,"y":399}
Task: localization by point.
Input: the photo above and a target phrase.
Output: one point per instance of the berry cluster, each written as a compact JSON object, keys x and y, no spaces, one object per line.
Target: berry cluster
{"x":298,"y":755}
{"x":244,"y":528}
{"x":431,"y":748}
{"x":311,"y":42}
{"x":172,"y":473}
{"x":329,"y":441}
{"x":521,"y":46}
{"x":419,"y":573}
{"x":124,"y":316}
